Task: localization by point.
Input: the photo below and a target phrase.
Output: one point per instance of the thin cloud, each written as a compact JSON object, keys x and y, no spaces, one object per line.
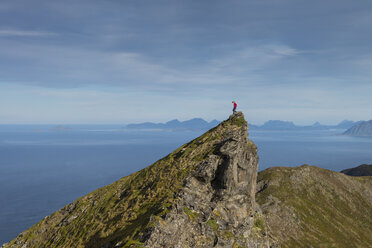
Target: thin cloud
{"x":364,"y":62}
{"x":261,"y":53}
{"x":254,"y":57}
{"x":284,"y":51}
{"x":26,"y":33}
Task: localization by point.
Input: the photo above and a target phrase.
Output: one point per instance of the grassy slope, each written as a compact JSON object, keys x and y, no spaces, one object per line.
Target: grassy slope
{"x":312,"y":207}
{"x":121,"y":212}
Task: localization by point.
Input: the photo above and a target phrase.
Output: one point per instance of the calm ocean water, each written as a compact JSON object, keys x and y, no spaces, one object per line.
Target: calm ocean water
{"x":44,"y":167}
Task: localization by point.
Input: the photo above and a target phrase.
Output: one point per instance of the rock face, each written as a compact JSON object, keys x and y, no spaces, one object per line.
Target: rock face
{"x":363,"y":128}
{"x":216,"y":207}
{"x":201,"y":195}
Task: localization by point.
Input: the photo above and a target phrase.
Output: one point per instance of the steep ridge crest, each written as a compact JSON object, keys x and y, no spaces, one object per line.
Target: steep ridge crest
{"x":200,"y":195}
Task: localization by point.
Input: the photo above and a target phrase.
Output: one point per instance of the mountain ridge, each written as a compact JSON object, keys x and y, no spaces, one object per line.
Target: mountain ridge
{"x":308,"y":206}
{"x":208,"y":193}
{"x":206,"y":187}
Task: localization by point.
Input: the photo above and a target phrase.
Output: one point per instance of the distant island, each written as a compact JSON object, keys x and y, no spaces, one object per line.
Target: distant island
{"x":363,"y":128}
{"x":193,"y":124}
{"x":361,"y":170}
{"x":201,"y":124}
{"x":289,"y":125}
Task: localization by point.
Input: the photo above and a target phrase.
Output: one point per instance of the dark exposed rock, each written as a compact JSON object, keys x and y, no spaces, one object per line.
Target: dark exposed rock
{"x":361,"y":170}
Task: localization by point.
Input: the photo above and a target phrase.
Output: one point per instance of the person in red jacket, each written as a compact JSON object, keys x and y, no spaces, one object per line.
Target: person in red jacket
{"x":235,"y":105}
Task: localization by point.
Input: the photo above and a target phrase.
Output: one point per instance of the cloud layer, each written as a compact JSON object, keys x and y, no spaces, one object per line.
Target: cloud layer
{"x":276,"y":58}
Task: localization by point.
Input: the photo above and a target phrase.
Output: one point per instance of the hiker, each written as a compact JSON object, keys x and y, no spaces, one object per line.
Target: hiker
{"x":235,"y":105}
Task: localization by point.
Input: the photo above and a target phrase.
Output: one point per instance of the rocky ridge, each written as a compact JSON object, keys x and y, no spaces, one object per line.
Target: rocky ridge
{"x":204,"y":194}
{"x":308,"y":206}
{"x":200,"y":195}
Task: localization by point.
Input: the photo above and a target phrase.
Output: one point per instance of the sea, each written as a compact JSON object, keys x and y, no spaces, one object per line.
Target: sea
{"x":45,"y":167}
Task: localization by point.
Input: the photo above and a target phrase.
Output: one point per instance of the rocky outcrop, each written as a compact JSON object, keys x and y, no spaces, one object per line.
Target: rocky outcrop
{"x":216,"y":208}
{"x":200,"y":195}
{"x":204,"y":194}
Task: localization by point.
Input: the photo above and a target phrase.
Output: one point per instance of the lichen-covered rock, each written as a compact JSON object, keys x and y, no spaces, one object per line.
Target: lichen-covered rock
{"x":200,"y":195}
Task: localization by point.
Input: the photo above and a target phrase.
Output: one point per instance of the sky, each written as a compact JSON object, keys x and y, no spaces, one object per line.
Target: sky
{"x":127,"y":61}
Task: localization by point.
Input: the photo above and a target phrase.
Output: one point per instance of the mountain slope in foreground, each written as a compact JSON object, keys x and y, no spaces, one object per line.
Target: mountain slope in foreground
{"x":200,"y":195}
{"x":312,"y":207}
{"x":204,"y":194}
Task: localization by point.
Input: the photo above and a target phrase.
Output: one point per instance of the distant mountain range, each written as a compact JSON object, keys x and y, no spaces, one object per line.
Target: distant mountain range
{"x":200,"y":124}
{"x":193,"y":124}
{"x":289,"y":125}
{"x":363,"y":128}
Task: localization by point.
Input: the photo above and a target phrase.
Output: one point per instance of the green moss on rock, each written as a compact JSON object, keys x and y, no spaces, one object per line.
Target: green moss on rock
{"x":190,"y":213}
{"x":213,"y":224}
{"x":240,"y":121}
{"x":259,"y":223}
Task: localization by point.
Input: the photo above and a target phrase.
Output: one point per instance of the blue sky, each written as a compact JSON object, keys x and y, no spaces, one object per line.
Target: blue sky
{"x":131,"y":61}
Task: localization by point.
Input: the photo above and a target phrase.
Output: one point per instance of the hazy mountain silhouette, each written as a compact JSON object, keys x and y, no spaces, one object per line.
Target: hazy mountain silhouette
{"x":195,"y":123}
{"x":201,"y":124}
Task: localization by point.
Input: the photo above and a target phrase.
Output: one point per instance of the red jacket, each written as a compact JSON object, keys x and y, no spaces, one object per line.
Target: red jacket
{"x":235,"y":105}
